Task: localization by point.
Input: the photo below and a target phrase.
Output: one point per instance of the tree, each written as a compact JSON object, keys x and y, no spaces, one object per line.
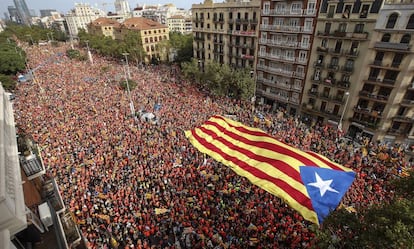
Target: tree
{"x":387,"y":225}
{"x":182,"y":45}
{"x":12,"y":60}
{"x":132,"y":84}
{"x":220,"y":80}
{"x":7,"y":82}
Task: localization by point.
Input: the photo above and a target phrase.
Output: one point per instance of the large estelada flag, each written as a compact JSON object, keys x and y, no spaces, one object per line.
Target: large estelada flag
{"x":310,"y":183}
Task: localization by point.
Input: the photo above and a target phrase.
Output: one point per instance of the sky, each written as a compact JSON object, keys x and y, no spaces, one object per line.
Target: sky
{"x":64,"y":6}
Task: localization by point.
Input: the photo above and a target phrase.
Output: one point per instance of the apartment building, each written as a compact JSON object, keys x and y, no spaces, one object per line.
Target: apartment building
{"x":226,"y":32}
{"x":103,"y":26}
{"x":383,"y":108}
{"x":180,"y":24}
{"x":31,"y":207}
{"x":80,"y":17}
{"x":285,"y":39}
{"x":152,"y":34}
{"x":336,"y":65}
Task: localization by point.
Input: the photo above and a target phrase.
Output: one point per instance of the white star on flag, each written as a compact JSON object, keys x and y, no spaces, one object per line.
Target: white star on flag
{"x":322,"y":185}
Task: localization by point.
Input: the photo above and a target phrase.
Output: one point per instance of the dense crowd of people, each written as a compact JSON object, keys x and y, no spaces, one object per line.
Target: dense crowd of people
{"x":134,"y":184}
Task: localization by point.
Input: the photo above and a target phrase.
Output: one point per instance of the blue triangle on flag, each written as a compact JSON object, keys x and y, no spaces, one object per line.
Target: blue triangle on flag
{"x":325,"y":187}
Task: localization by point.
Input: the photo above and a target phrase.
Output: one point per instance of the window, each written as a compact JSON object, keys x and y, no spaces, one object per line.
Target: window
{"x":296,"y":8}
{"x":302,"y":56}
{"x":359,"y":28}
{"x":305,"y":41}
{"x":324,"y":43}
{"x":266,"y":8}
{"x":364,"y":11}
{"x":331,"y":11}
{"x":278,"y":21}
{"x":410,"y":24}
{"x":290,"y":55}
{"x":280,"y":8}
{"x":386,"y":38}
{"x":311,"y":8}
{"x":328,"y":27}
{"x":392,"y":20}
{"x":405,"y":39}
{"x":317,"y":75}
{"x":349,"y":64}
{"x":347,"y":11}
{"x":334,"y":61}
{"x":342,"y":27}
{"x":308,"y":25}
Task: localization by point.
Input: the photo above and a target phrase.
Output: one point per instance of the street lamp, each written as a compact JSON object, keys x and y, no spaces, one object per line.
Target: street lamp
{"x":131,"y":104}
{"x":343,"y":111}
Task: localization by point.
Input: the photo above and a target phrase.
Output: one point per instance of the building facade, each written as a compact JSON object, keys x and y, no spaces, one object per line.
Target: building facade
{"x":285,"y":39}
{"x":340,"y":46}
{"x":23,"y":12}
{"x":226,"y":32}
{"x":384,"y":104}
{"x":80,"y":17}
{"x":180,"y":24}
{"x":32,"y":209}
{"x":152,"y":34}
{"x":103,"y":26}
{"x":122,"y":7}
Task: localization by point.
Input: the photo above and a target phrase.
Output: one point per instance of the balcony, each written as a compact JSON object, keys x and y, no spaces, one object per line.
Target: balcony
{"x":360,"y":35}
{"x":280,"y":58}
{"x":335,"y":51}
{"x":284,"y":28}
{"x":343,"y":84}
{"x":344,"y":35}
{"x":247,"y":57}
{"x":313,"y":92}
{"x":284,"y":44}
{"x":380,"y":81}
{"x":242,"y":21}
{"x":338,"y":99}
{"x":347,"y":69}
{"x":318,"y":64}
{"x":218,"y":51}
{"x":329,"y":81}
{"x":297,"y":12}
{"x":367,"y":122}
{"x":407,"y":102}
{"x":254,"y":21}
{"x":352,"y":53}
{"x":220,"y":31}
{"x":274,"y":96}
{"x":278,"y":71}
{"x":393,"y":46}
{"x":267,"y":82}
{"x":216,"y":41}
{"x":218,"y":20}
{"x":380,"y":98}
{"x":199,"y":38}
{"x":325,"y":96}
{"x":397,"y":132}
{"x":322,"y":49}
{"x":403,"y":119}
{"x":241,"y":45}
{"x":243,"y":33}
{"x":333,"y":67}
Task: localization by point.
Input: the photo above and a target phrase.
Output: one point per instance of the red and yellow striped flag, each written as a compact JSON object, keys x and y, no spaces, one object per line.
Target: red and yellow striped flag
{"x":268,"y":163}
